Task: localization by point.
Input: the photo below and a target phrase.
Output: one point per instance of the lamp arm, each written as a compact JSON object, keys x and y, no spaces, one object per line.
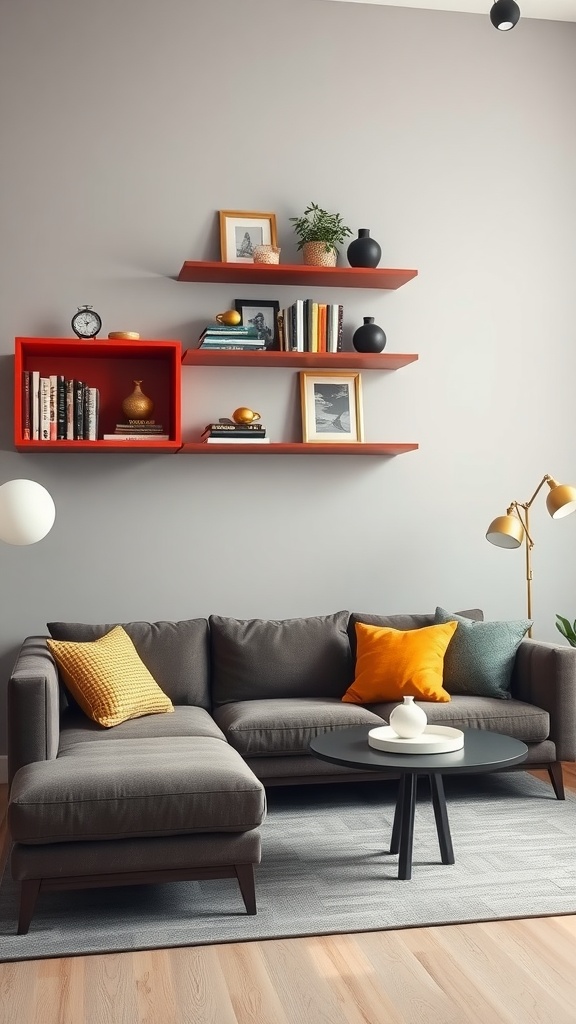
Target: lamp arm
{"x":544,"y":480}
{"x":523,"y":517}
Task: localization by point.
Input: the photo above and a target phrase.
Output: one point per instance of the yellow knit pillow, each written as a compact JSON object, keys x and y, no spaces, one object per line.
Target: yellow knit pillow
{"x":391,"y":663}
{"x":108,"y":678}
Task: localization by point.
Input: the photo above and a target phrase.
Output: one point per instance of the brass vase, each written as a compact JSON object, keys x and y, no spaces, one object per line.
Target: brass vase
{"x":137,"y":406}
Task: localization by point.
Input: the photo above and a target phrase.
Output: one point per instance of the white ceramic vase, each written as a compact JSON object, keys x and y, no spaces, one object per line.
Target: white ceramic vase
{"x":407,"y":719}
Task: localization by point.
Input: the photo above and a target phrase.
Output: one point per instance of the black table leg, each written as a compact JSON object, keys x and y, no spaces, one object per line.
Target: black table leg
{"x":407,"y":826}
{"x":441,"y":816}
{"x":395,"y":838}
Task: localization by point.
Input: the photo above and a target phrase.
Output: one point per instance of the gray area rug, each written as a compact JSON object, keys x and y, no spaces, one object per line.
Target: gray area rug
{"x":325,"y":870}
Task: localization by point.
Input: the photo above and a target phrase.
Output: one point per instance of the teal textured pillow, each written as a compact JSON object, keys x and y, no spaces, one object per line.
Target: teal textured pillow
{"x":480,"y":656}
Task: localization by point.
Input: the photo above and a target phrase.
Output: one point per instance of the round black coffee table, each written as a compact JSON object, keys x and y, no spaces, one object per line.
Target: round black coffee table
{"x":483,"y":751}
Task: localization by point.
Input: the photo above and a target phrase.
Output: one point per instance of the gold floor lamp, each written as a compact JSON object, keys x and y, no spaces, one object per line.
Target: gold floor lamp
{"x":510,"y":530}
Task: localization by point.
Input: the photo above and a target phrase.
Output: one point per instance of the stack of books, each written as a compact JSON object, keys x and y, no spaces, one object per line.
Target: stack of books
{"x":235,"y":433}
{"x":240,"y":338}
{"x":55,"y":408}
{"x":308,"y":326}
{"x":138,"y":430}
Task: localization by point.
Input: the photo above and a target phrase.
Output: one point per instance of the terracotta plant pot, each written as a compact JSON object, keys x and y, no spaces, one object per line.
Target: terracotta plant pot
{"x":316,"y":255}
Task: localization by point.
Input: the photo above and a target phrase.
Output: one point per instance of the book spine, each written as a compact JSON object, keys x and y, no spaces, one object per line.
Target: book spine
{"x":224,"y":329}
{"x":135,"y":437}
{"x":60,"y":408}
{"x":90,"y":415}
{"x":53,"y":406}
{"x":340,"y":328}
{"x":69,"y":410}
{"x":44,"y":408}
{"x":307,"y":324}
{"x":280,"y":322}
{"x":26,"y":406}
{"x":314,"y":336}
{"x":35,"y":400}
{"x":239,"y":433}
{"x":221,"y":347}
{"x":234,"y":428}
{"x":236,"y":440}
{"x":79,"y":410}
{"x":322,"y":327}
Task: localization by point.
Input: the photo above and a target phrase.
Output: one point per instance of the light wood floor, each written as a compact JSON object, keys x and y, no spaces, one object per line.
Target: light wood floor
{"x":503,"y":972}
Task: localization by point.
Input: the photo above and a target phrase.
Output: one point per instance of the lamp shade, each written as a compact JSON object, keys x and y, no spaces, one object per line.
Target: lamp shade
{"x":506,"y":531}
{"x":504,"y":14}
{"x":27,"y":512}
{"x":561,"y":500}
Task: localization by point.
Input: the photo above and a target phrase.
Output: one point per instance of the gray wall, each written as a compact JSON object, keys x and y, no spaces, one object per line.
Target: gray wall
{"x":125,"y":127}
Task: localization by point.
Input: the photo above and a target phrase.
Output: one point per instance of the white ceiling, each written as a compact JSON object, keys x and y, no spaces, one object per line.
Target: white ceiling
{"x":550,"y":10}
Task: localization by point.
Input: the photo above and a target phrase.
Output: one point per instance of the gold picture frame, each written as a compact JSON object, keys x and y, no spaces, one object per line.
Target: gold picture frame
{"x":331,"y":407}
{"x":241,"y":230}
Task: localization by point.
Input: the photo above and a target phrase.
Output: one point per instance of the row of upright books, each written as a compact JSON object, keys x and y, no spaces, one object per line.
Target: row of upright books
{"x":308,"y":326}
{"x":234,"y":433}
{"x":240,"y":338}
{"x":55,"y":408}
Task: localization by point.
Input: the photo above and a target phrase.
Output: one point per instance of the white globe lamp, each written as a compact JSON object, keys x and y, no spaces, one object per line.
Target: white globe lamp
{"x":27,"y":512}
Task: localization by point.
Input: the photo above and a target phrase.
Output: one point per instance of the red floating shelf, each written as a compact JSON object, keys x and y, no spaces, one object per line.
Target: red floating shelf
{"x":319,"y":360}
{"x":296,"y":448}
{"x":294,"y":274}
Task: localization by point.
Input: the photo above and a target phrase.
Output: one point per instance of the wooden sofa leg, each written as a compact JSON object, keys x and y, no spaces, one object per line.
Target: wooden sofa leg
{"x":28,"y":895}
{"x":557,"y":780}
{"x":245,"y":875}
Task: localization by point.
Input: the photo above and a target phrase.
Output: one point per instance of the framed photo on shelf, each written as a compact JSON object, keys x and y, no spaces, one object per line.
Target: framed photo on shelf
{"x":262,"y":314}
{"x":241,"y":231}
{"x":331,"y":407}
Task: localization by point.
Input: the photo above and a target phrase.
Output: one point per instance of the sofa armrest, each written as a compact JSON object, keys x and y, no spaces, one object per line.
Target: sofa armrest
{"x":33,"y":706}
{"x":545,"y":675}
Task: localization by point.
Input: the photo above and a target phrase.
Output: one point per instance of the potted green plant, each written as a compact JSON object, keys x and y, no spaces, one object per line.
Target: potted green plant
{"x":568,"y":631}
{"x":320,"y":233}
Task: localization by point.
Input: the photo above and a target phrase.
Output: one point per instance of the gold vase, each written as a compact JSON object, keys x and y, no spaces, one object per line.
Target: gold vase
{"x":316,"y":255}
{"x":137,"y":406}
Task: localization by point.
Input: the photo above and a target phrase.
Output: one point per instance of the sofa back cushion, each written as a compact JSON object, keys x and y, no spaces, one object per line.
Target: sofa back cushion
{"x":402,"y":621}
{"x":255,"y":659}
{"x":175,"y":653}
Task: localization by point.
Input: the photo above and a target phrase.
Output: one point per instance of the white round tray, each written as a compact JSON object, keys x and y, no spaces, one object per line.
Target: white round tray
{"x":436,"y":739}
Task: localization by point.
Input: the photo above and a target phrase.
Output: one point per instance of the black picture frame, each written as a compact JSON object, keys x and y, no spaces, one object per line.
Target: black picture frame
{"x":268,"y":310}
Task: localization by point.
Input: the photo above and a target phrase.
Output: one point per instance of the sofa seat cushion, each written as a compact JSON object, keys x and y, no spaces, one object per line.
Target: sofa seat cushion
{"x":262,"y":659}
{"x":76,"y":728}
{"x":258,"y":728}
{"x":153,"y":787}
{"x":512,"y":717}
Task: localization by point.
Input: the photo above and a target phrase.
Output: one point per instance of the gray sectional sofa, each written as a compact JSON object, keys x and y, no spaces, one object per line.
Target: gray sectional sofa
{"x":182,"y":795}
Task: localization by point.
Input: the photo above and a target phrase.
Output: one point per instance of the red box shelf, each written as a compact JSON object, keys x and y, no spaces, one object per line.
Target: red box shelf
{"x":112,"y":367}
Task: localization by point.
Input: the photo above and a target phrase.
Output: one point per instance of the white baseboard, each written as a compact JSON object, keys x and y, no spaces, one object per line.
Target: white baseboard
{"x":3,"y":768}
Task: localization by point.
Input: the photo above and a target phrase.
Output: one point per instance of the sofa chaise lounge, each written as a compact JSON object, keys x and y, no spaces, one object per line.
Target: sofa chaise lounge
{"x":182,"y":795}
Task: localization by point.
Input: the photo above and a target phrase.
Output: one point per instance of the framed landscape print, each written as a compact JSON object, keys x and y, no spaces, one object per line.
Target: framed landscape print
{"x":262,"y":314}
{"x":241,"y":231}
{"x":331,"y":406}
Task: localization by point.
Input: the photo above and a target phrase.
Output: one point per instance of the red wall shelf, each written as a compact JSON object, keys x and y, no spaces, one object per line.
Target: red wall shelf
{"x":111,"y":366}
{"x":295,"y":274}
{"x":296,"y":448}
{"x":319,"y":360}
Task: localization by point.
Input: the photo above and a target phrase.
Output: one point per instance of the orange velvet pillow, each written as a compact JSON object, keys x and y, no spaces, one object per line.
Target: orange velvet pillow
{"x":391,"y":663}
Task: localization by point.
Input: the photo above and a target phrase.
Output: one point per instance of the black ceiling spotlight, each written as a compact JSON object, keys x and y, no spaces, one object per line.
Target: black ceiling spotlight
{"x":505,"y":14}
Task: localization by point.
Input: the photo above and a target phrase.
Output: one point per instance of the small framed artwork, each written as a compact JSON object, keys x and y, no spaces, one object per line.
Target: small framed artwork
{"x":241,"y":231}
{"x":262,"y":314}
{"x":331,"y":406}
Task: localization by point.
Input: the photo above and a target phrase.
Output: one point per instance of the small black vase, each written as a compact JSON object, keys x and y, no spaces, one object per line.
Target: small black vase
{"x":369,"y":337}
{"x":364,"y":251}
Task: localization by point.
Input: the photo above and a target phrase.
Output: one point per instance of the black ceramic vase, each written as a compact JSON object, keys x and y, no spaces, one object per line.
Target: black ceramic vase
{"x":364,"y":251}
{"x":369,"y":337}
